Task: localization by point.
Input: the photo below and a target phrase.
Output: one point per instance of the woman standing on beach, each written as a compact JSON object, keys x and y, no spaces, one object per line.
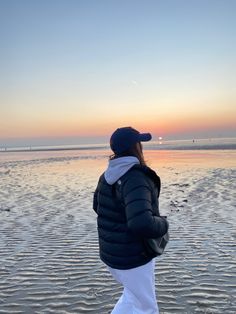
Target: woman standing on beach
{"x":126,"y":202}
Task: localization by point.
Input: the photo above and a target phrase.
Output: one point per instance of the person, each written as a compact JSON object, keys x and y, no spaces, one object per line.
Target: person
{"x":126,"y":203}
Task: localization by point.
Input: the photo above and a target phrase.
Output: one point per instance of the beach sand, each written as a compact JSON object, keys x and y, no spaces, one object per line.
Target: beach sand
{"x":49,"y":260}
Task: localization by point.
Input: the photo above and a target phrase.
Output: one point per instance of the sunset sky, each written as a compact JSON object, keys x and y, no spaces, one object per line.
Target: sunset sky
{"x":73,"y":69}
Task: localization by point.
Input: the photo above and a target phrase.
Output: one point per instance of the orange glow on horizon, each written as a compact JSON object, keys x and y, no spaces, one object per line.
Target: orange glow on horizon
{"x":92,"y":126}
{"x":159,"y":128}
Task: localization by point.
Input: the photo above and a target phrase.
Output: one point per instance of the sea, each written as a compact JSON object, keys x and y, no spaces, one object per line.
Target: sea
{"x":190,"y":144}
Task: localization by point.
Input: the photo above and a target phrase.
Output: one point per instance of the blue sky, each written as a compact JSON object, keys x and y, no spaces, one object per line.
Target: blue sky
{"x":83,"y":68}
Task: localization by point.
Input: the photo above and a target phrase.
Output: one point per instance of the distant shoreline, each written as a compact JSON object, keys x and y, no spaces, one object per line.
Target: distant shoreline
{"x":23,"y":150}
{"x":158,"y":147}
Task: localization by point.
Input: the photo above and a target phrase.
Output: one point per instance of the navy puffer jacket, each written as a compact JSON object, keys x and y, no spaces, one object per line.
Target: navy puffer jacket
{"x":128,"y":212}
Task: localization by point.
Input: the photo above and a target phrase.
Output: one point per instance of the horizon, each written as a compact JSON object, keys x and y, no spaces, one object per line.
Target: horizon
{"x":73,"y":70}
{"x":83,"y":142}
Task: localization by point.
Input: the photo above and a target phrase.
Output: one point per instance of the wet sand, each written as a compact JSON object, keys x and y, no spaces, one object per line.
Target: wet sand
{"x":49,"y":259}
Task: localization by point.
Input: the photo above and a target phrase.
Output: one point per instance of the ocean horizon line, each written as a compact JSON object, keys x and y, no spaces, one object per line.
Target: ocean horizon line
{"x":195,"y":144}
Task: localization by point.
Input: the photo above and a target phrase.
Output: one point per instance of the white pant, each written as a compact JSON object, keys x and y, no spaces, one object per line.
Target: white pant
{"x":139,"y":290}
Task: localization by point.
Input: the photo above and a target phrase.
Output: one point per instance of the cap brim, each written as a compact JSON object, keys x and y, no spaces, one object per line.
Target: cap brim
{"x":145,"y":137}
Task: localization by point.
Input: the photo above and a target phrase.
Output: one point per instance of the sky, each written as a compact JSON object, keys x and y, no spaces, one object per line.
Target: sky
{"x":72,"y":71}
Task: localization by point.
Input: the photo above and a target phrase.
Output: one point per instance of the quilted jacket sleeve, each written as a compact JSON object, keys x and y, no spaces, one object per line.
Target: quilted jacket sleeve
{"x":95,"y":201}
{"x":137,"y":195}
{"x":95,"y":195}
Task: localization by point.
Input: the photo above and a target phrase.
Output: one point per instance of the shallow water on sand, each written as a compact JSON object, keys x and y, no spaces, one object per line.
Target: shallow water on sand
{"x":49,"y":259}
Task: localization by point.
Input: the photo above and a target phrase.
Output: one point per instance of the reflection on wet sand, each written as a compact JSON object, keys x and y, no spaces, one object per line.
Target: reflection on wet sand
{"x":48,"y":239}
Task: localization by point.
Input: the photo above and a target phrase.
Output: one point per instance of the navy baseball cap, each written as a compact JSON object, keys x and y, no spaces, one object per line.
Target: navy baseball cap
{"x":124,"y":138}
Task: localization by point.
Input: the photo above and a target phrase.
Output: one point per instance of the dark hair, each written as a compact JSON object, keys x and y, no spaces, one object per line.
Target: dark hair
{"x":136,"y":150}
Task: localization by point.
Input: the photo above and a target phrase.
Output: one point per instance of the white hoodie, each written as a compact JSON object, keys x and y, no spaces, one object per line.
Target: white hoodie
{"x":118,"y":167}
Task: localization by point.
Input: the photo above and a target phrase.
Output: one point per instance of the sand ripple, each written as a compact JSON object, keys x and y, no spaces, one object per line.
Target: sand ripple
{"x":49,"y":256}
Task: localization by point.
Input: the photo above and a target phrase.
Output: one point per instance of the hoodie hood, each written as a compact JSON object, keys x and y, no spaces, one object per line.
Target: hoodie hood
{"x":118,"y":167}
